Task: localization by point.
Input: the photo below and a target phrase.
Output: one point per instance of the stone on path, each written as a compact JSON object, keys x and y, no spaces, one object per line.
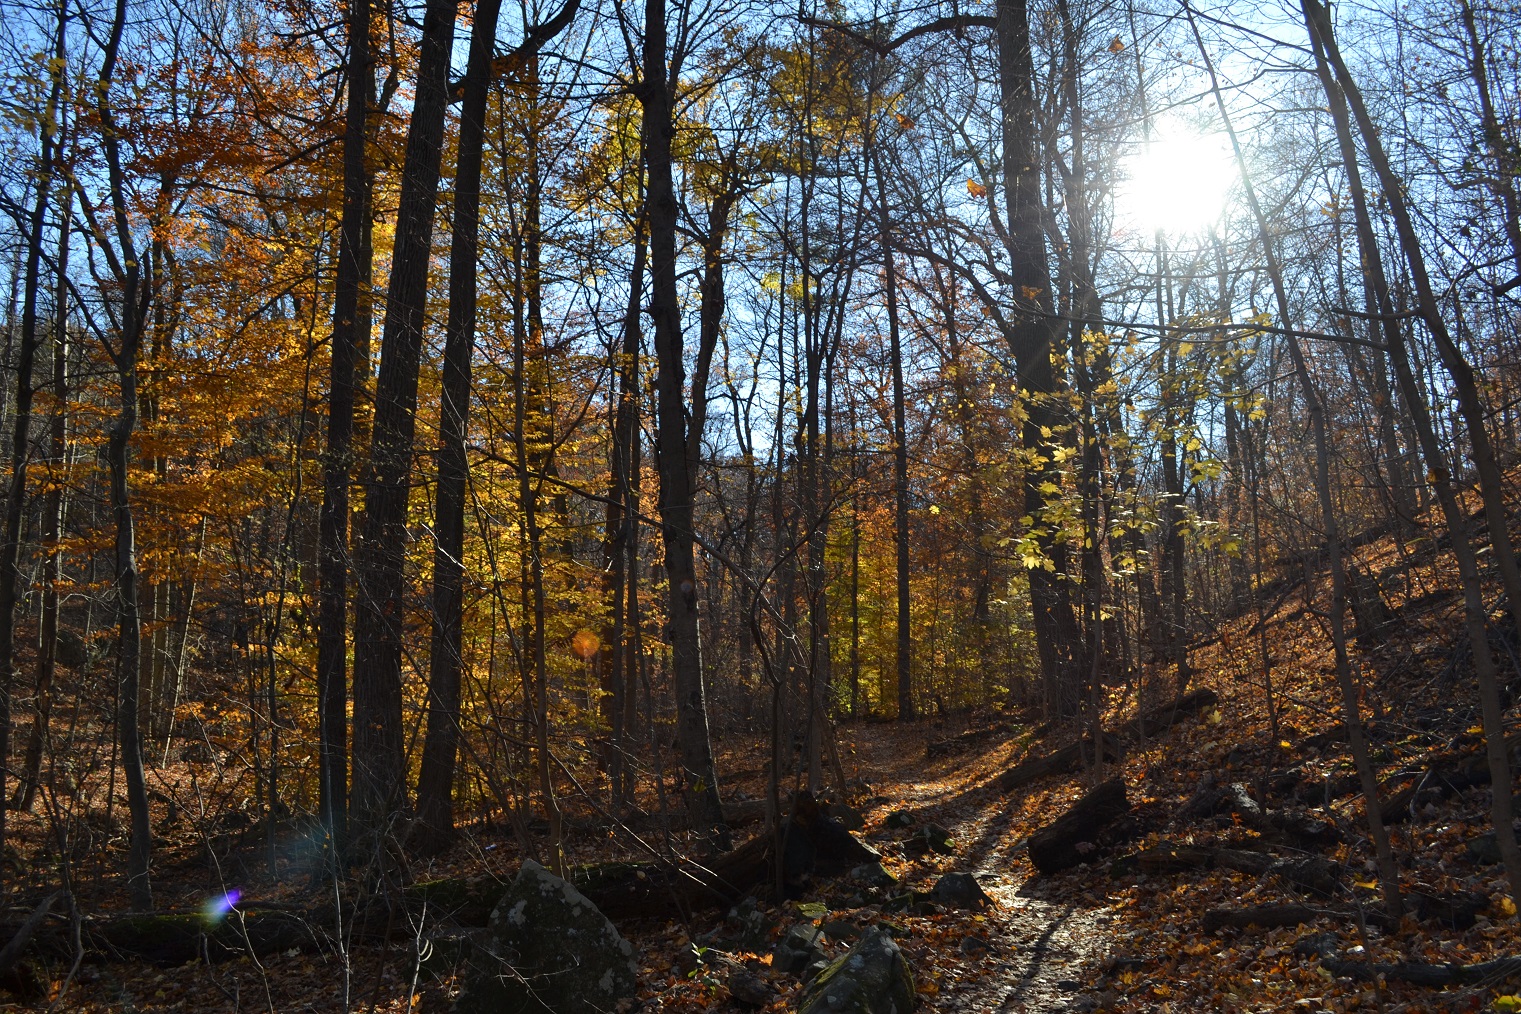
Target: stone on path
{"x":872,"y":978}
{"x":547,"y":948}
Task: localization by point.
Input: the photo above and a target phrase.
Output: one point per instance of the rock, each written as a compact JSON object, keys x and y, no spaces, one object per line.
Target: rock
{"x":960,"y":890}
{"x":973,"y":946}
{"x":873,"y":977}
{"x":547,"y":948}
{"x":749,"y":927}
{"x":1069,"y":985}
{"x":840,"y":929}
{"x":814,"y":970}
{"x":897,"y":819}
{"x":750,"y":990}
{"x":905,"y":902}
{"x":801,"y":947}
{"x":688,"y":959}
{"x":873,"y":875}
{"x":1484,"y":849}
{"x":931,"y":838}
{"x":847,"y":817}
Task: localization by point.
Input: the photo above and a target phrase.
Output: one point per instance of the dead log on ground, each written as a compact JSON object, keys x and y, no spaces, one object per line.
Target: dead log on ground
{"x":1165,"y":716}
{"x":1069,"y":758}
{"x":1076,"y":755}
{"x":966,"y":741}
{"x":1417,"y":973}
{"x":1073,"y":837}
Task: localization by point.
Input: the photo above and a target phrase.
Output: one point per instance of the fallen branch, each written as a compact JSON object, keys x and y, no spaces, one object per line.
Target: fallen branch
{"x":1421,"y":974}
{"x":1073,"y":836}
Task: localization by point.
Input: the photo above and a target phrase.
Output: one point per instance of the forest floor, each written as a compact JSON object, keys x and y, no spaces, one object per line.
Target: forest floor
{"x":1138,"y":927}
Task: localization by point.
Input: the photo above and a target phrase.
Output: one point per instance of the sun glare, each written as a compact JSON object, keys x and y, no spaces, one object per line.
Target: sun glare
{"x":1178,"y":182}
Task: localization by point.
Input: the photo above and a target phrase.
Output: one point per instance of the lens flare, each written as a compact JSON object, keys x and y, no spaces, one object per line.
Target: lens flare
{"x":217,"y":908}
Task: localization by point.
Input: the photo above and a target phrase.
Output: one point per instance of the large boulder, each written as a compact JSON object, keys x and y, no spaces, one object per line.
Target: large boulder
{"x":547,"y":948}
{"x":871,"y":978}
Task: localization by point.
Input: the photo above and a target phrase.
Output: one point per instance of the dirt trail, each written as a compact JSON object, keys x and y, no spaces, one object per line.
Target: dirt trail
{"x":1048,"y":937}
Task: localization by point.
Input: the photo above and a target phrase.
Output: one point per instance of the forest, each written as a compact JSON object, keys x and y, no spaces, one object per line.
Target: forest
{"x":662,"y":505}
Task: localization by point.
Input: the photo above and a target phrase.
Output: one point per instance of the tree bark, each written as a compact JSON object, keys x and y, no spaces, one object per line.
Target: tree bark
{"x":435,"y":798}
{"x":1032,"y":332}
{"x":378,"y":749}
{"x":673,"y":436}
{"x":353,"y":276}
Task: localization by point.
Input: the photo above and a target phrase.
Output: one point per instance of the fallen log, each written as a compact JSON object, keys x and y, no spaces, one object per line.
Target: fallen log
{"x":12,"y":951}
{"x":965,"y":741}
{"x":1447,"y":774}
{"x":1165,"y":716}
{"x":1421,"y":974}
{"x":1076,"y":755}
{"x":1069,"y":758}
{"x":1072,"y":838}
{"x":1262,"y":917}
{"x":1267,"y":917}
{"x":1164,"y":859}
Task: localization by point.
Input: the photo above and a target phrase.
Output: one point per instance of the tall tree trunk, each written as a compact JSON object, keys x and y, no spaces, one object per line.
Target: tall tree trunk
{"x":673,"y":437}
{"x":905,"y":650}
{"x":353,"y":278}
{"x":52,"y":521}
{"x":1030,"y":335}
{"x":435,"y":797}
{"x":378,"y":748}
{"x":618,"y":531}
{"x":15,"y":502}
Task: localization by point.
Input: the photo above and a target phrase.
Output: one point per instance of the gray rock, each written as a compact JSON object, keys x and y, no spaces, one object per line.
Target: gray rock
{"x":747,"y":927}
{"x":898,"y":818}
{"x":873,"y":875}
{"x":974,"y":946}
{"x":931,"y":838}
{"x":872,"y":978}
{"x":547,"y":948}
{"x":1484,"y":849}
{"x":801,"y":947}
{"x":960,"y":890}
{"x":750,"y":990}
{"x":847,"y":817}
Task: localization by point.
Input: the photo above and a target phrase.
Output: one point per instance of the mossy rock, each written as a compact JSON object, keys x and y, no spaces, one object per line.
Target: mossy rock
{"x":873,"y":977}
{"x":547,"y":948}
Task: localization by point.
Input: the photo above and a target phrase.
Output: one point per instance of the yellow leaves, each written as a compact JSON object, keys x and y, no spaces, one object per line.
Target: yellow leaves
{"x":1117,"y":45}
{"x":977,"y":190}
{"x":1504,"y":906}
{"x":1510,"y":1003}
{"x":903,"y":121}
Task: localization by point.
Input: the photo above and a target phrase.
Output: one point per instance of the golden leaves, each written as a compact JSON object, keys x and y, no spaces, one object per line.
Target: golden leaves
{"x":977,"y":190}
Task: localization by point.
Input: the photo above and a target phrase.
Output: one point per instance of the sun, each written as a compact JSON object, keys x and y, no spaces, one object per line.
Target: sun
{"x":1178,"y":182}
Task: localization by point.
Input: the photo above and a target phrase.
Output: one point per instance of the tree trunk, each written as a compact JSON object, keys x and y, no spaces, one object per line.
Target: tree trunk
{"x":1030,"y":336}
{"x":15,"y":502}
{"x":353,"y":277}
{"x":378,"y":748}
{"x":672,"y":437}
{"x":435,"y":798}
{"x":52,"y":524}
